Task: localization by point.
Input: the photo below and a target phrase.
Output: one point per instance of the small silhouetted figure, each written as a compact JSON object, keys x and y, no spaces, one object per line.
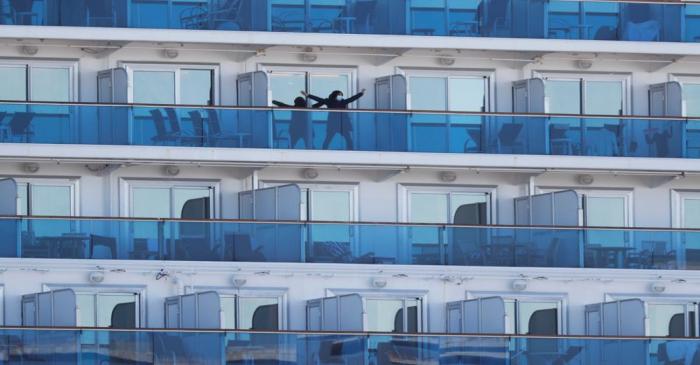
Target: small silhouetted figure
{"x":338,"y":123}
{"x":300,"y":126}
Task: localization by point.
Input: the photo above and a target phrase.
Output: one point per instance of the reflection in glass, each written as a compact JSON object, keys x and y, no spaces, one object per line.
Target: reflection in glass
{"x":382,"y":315}
{"x":692,"y":99}
{"x":691,"y":213}
{"x":154,"y":87}
{"x":14,"y":83}
{"x":259,"y":314}
{"x":563,"y":96}
{"x":196,"y":87}
{"x":660,"y":316}
{"x":50,"y":84}
{"x":537,"y":318}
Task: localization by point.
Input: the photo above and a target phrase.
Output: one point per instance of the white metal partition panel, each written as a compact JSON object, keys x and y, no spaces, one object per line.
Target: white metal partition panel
{"x":112,"y":86}
{"x":253,"y":89}
{"x":194,"y":311}
{"x":351,"y":316}
{"x":289,"y":203}
{"x":618,"y":318}
{"x":391,"y":92}
{"x":632,"y":318}
{"x":275,"y":203}
{"x":528,"y":96}
{"x":50,"y":309}
{"x":666,"y":100}
{"x":477,"y":316}
{"x":565,"y":208}
{"x":8,"y":197}
{"x":551,"y":209}
{"x":340,"y":313}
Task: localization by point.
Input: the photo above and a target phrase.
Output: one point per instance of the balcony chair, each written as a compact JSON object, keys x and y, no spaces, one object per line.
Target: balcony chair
{"x":239,"y":248}
{"x":214,"y":136}
{"x":19,"y":125}
{"x":175,"y":134}
{"x":102,"y":247}
{"x":21,"y":10}
{"x":559,"y":143}
{"x":196,"y":139}
{"x":508,"y":138}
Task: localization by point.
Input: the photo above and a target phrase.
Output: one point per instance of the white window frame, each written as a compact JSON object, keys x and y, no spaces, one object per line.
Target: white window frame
{"x":281,"y":294}
{"x":562,"y":300}
{"x":666,"y":299}
{"x":71,"y":66}
{"x":405,"y":191}
{"x":390,"y":294}
{"x":626,"y":80}
{"x":72,"y":183}
{"x":490,"y":82}
{"x":684,"y":79}
{"x":678,"y":205}
{"x":128,"y":184}
{"x":171,"y":67}
{"x":140,"y":290}
{"x":627,"y":194}
{"x":350,"y":71}
{"x":305,"y":187}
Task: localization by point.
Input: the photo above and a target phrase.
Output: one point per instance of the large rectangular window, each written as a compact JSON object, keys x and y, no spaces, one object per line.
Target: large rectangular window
{"x":394,"y":315}
{"x":37,"y":81}
{"x":457,"y":91}
{"x":286,"y":84}
{"x":437,"y":206}
{"x":173,"y":84}
{"x":250,"y":313}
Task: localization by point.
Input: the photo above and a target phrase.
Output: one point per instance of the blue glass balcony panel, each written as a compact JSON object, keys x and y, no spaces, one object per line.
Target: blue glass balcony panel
{"x":540,"y":19}
{"x":370,"y":130}
{"x":72,"y":346}
{"x":349,"y":243}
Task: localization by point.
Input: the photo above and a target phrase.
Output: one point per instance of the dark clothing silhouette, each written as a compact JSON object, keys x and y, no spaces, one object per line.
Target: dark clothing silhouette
{"x":338,"y":123}
{"x":300,"y":126}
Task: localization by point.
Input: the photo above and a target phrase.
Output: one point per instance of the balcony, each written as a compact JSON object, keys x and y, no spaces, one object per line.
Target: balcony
{"x":106,"y":346}
{"x":537,"y":19}
{"x":366,"y":130}
{"x":349,"y":243}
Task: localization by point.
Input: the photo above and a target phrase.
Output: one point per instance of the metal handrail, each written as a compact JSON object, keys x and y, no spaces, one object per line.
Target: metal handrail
{"x":365,"y":111}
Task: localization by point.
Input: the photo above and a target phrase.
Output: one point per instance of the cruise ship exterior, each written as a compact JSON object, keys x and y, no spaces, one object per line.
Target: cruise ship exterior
{"x":350,"y":182}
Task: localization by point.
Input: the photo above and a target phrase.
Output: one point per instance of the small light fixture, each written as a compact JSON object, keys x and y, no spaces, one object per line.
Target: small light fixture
{"x":238,"y":282}
{"x":448,"y":176}
{"x":519,"y":285}
{"x":585,"y":179}
{"x":172,"y":170}
{"x":309,"y":174}
{"x":96,"y":277}
{"x":446,"y":60}
{"x":170,"y":53}
{"x":30,"y":167}
{"x":584,"y":64}
{"x":308,"y":55}
{"x":658,"y":287}
{"x":378,"y":283}
{"x":29,"y":50}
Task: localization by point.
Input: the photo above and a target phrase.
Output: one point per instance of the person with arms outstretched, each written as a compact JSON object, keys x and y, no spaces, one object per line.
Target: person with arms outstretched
{"x":300,"y":126}
{"x":338,"y":122}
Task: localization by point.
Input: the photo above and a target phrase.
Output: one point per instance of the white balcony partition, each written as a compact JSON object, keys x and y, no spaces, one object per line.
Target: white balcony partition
{"x":477,"y":316}
{"x":56,"y":308}
{"x":528,"y":96}
{"x":281,"y":203}
{"x":552,"y":209}
{"x":253,"y":89}
{"x":194,"y":311}
{"x":390,"y":92}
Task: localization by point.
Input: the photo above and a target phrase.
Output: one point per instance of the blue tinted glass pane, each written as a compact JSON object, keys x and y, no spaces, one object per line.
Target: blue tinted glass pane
{"x":563,"y":96}
{"x":692,"y":99}
{"x":149,"y":14}
{"x":154,"y":87}
{"x":14,"y":85}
